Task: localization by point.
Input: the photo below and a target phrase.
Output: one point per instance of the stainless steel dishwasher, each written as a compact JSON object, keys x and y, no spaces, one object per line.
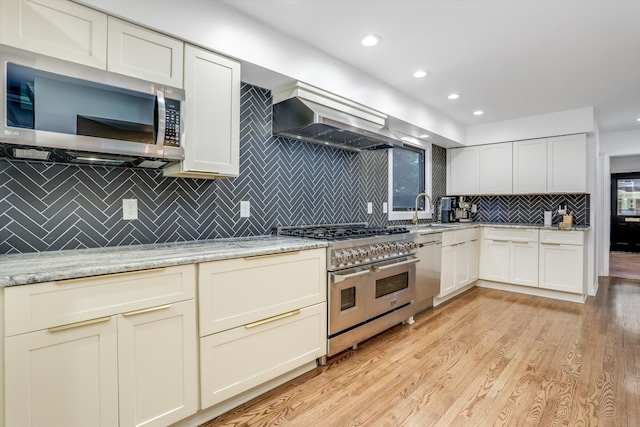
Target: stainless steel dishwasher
{"x":429,"y":250}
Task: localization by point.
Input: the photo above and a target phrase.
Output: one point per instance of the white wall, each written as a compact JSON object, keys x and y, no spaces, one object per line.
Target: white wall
{"x":625,"y":164}
{"x":223,"y":29}
{"x":612,"y":145}
{"x":567,"y":122}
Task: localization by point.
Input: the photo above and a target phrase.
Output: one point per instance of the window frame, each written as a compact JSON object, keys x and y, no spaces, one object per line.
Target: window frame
{"x":425,"y":213}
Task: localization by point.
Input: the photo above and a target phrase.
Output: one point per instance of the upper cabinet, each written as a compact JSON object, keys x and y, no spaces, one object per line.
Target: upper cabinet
{"x":538,"y":166}
{"x":463,"y":170}
{"x":530,"y":166}
{"x":567,"y":164}
{"x":495,"y":168}
{"x":145,"y":54}
{"x":57,"y":28}
{"x":69,"y":31}
{"x":212,"y":139}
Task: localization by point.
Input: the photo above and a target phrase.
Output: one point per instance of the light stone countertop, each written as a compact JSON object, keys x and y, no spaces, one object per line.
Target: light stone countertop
{"x":23,"y":269}
{"x":439,"y":227}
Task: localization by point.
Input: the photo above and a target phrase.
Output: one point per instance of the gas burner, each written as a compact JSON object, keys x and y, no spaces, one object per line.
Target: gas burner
{"x":340,"y":232}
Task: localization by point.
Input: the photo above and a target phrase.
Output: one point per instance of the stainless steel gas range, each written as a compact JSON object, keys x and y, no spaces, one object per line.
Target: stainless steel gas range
{"x":371,"y":279}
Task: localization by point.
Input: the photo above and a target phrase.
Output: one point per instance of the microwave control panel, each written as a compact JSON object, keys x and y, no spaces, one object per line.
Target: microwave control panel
{"x":172,"y":123}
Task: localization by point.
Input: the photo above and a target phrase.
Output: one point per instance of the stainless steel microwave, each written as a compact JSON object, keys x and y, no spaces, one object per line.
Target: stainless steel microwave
{"x":54,"y":110}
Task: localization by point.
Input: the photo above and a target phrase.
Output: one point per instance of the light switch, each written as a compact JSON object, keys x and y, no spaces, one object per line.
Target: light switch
{"x":245,"y":209}
{"x":385,"y":207}
{"x":369,"y":208}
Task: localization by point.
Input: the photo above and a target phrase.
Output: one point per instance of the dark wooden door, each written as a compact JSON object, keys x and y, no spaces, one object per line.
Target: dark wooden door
{"x":625,"y":212}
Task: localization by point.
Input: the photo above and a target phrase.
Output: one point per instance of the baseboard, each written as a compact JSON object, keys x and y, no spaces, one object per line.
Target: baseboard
{"x":545,"y":293}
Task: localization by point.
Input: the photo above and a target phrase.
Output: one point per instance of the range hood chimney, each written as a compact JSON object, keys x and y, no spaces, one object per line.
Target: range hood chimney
{"x":304,"y":112}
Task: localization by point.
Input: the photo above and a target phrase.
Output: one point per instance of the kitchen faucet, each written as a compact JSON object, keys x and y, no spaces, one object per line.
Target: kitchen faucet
{"x":415,"y":213}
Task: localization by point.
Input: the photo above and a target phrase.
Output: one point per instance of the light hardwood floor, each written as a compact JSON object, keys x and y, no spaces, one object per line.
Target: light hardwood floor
{"x":487,"y":358}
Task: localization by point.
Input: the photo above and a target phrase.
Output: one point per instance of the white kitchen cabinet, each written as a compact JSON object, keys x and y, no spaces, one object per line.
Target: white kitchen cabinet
{"x":260,"y":318}
{"x":562,"y":261}
{"x":530,"y":166}
{"x":463,"y":170}
{"x":157,"y":355}
{"x":459,"y":260}
{"x":496,"y":168}
{"x":57,"y":28}
{"x":212,"y":118}
{"x":66,"y":377}
{"x":510,"y":255}
{"x":567,"y":164}
{"x":101,"y":351}
{"x":145,"y":54}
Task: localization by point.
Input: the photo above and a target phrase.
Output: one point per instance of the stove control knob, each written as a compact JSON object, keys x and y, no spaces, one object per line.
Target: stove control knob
{"x":411,"y":245}
{"x":386,"y":248}
{"x":375,"y":249}
{"x":352,"y":255}
{"x":364,"y":253}
{"x":401,"y":246}
{"x":340,"y":257}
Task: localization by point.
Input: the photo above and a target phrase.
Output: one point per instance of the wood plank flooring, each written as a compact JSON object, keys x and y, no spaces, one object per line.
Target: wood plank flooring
{"x":625,"y":265}
{"x":487,"y":358}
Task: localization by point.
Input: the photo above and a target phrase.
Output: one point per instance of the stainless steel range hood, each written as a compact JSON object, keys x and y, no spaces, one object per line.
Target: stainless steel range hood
{"x":303,"y":112}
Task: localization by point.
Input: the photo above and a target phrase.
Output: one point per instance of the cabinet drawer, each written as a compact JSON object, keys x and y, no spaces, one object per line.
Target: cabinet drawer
{"x":566,"y":237}
{"x":235,"y":292}
{"x":512,"y":234}
{"x":459,"y":236}
{"x":40,"y":306}
{"x":449,"y":238}
{"x":242,"y":358}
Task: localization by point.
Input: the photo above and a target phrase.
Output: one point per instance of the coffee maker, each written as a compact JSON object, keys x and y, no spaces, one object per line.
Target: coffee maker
{"x":455,"y":209}
{"x":448,"y":206}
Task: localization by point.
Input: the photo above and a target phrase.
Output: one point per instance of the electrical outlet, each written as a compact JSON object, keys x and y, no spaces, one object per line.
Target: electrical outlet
{"x":385,"y":207}
{"x":369,"y":208}
{"x":129,"y":209}
{"x":245,"y":209}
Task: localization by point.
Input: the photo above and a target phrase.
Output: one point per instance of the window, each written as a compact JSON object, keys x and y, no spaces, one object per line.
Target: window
{"x":409,"y":175}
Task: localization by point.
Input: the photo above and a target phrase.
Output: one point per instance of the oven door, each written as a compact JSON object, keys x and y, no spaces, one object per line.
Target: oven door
{"x":392,"y":285}
{"x":346,"y":298}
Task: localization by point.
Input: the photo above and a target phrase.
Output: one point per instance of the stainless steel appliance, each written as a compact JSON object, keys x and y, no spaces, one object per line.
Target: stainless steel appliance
{"x":55,"y":110}
{"x":303,"y":112}
{"x":448,"y":207}
{"x":429,"y":252}
{"x":371,"y":278}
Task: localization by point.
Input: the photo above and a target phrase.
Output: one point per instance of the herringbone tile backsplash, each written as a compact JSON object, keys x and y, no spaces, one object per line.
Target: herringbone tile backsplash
{"x":47,"y":206}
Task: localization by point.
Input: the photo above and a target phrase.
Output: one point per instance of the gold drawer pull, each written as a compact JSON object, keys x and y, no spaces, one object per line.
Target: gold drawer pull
{"x":147,"y":310}
{"x":272,"y":319}
{"x":108,"y":276}
{"x":80,"y":324}
{"x":271,"y":255}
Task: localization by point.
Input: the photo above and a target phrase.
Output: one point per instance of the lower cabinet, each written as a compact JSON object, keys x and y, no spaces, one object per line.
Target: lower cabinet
{"x":129,"y":368}
{"x":510,"y":255}
{"x":562,"y":261}
{"x":260,"y":318}
{"x":459,"y":260}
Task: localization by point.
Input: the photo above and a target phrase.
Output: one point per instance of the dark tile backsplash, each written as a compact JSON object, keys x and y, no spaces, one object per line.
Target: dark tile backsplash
{"x":48,"y":206}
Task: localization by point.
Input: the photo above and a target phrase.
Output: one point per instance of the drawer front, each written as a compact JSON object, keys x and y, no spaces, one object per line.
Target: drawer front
{"x":449,"y":238}
{"x":235,"y":292}
{"x":567,"y":237}
{"x":239,"y":359}
{"x":473,"y":234}
{"x":512,"y":234}
{"x":44,"y":305}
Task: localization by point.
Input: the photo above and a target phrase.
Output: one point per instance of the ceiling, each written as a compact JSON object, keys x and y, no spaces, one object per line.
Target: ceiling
{"x":509,"y":59}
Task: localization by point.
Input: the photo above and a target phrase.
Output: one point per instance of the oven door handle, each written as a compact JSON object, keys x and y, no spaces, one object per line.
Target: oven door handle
{"x":375,"y":269}
{"x":337,"y":278}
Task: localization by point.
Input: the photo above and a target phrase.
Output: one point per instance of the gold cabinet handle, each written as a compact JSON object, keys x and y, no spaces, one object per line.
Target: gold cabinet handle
{"x":79,"y":324}
{"x":108,"y":276}
{"x":272,"y":319}
{"x":147,"y":310}
{"x":271,"y":255}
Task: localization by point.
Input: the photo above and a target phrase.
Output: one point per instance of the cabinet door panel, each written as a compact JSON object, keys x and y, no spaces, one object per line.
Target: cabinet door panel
{"x":524,"y":264}
{"x":474,"y":254}
{"x":66,"y":378}
{"x":530,"y":167}
{"x":462,"y":265}
{"x":58,"y":28}
{"x":561,"y":268}
{"x":464,"y":170}
{"x":495,"y":255}
{"x":145,"y":54}
{"x":447,"y":278}
{"x":158,"y":365}
{"x":567,"y":164}
{"x":496,"y":168}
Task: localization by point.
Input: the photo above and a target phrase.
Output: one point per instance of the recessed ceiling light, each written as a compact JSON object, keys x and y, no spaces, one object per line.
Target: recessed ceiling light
{"x":478,"y":113}
{"x":370,"y":40}
{"x":453,"y":96}
{"x":421,"y":73}
{"x":424,"y":135}
{"x":638,"y":119}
